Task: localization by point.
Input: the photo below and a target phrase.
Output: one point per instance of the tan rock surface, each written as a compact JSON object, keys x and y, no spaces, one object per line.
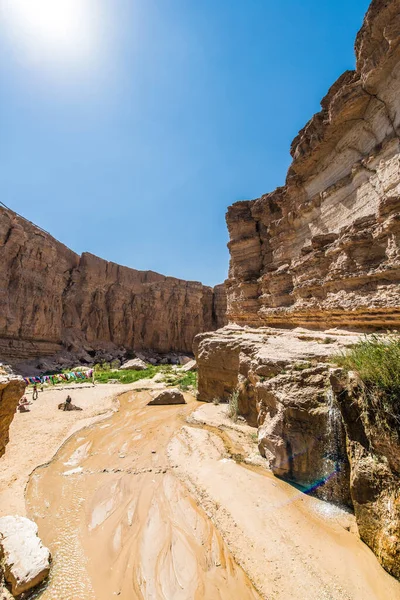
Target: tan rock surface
{"x":189,"y":366}
{"x":374,"y":454}
{"x":312,"y":433}
{"x":26,"y":561}
{"x":136,"y":364}
{"x":11,"y":391}
{"x":324,"y":250}
{"x":283,"y":383}
{"x":52,"y":298}
{"x":169,"y":396}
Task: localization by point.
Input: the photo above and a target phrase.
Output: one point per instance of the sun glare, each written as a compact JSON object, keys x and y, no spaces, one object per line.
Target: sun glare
{"x":65,"y":30}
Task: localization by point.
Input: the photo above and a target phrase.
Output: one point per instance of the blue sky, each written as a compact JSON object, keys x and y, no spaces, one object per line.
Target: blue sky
{"x":134,"y":149}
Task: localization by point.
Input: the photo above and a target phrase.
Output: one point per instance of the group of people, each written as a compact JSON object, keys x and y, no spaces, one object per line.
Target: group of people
{"x":65,"y":406}
{"x":24,"y":402}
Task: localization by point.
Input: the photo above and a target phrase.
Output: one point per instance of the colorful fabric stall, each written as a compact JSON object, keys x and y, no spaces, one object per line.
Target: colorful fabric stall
{"x":59,"y":377}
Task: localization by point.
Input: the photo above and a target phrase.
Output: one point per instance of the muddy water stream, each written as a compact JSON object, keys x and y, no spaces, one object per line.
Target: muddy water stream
{"x":120,"y":524}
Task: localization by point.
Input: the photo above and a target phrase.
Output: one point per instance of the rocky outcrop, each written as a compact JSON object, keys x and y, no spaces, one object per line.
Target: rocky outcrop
{"x":324,"y":250}
{"x":25,"y":560}
{"x":51,"y":298}
{"x":283,"y":382}
{"x":11,"y":391}
{"x":315,"y":426}
{"x":374,"y":452}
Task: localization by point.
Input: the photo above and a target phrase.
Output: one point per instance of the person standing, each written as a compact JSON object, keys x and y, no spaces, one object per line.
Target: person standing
{"x":35,"y":392}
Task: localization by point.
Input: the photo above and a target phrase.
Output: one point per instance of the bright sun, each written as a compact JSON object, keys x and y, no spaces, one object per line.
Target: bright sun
{"x":52,"y":29}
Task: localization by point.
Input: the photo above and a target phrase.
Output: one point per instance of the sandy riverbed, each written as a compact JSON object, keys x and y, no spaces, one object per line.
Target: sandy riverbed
{"x":174,"y":503}
{"x":36,"y":436}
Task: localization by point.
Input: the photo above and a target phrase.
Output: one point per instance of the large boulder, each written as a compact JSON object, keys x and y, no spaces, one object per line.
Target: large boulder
{"x":26,"y":562}
{"x":171,"y":396}
{"x":136,"y":364}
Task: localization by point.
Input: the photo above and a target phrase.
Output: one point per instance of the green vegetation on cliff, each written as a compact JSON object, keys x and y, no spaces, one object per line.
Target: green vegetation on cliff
{"x":376,"y":361}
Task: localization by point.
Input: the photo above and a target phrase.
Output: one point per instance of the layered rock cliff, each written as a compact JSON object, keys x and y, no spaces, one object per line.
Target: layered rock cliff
{"x":52,"y":298}
{"x":324,"y":250}
{"x":322,"y":253}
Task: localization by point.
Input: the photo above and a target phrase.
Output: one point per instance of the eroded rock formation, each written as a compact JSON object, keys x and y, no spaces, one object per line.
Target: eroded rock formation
{"x":52,"y":298}
{"x":324,"y":250}
{"x":283,"y":384}
{"x":374,"y":454}
{"x":11,"y":391}
{"x":321,"y":252}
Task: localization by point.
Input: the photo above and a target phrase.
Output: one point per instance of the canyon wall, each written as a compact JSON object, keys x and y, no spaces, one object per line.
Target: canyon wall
{"x":322,"y":253}
{"x":51,"y":298}
{"x":324,"y":250}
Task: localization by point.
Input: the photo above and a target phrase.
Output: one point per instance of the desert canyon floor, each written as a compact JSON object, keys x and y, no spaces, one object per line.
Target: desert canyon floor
{"x":173,"y":503}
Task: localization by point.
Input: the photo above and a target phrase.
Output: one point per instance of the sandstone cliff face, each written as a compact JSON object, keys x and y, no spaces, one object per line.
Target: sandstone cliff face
{"x":313,"y":426}
{"x":325,"y":249}
{"x":50,"y":297}
{"x":11,"y":391}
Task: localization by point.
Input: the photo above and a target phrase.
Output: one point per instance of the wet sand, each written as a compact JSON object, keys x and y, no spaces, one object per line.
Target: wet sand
{"x":165,"y":503}
{"x":36,"y":436}
{"x":292,"y":545}
{"x":120,"y":523}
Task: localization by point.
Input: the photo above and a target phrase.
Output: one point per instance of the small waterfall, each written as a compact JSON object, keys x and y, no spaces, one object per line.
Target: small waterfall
{"x":333,"y":455}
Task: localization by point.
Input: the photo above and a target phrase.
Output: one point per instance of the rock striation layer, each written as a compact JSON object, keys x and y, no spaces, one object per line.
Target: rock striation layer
{"x":324,"y":250}
{"x":51,"y":298}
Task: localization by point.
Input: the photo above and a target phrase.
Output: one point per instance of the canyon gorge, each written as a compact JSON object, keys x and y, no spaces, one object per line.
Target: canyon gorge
{"x":53,"y":300}
{"x":314,"y":268}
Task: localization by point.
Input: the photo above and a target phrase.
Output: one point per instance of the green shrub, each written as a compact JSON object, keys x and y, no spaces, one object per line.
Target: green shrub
{"x":104,"y":373}
{"x":233,"y":409}
{"x":127,"y":376}
{"x":302,"y":366}
{"x":376,"y":360}
{"x":182,"y":380}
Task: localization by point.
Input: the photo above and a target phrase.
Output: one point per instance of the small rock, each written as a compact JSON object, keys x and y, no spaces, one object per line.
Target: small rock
{"x":190,"y":366}
{"x":184,"y":360}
